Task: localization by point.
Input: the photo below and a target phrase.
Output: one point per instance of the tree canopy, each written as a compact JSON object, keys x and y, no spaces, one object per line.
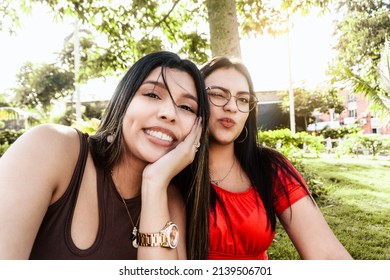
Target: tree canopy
{"x":132,"y":28}
{"x":197,"y":29}
{"x":38,"y":85}
{"x":384,"y":68}
{"x":361,"y":33}
{"x":10,"y":14}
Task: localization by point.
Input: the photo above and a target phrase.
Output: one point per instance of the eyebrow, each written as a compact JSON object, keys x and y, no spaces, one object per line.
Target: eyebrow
{"x":163,"y":86}
{"x":244,"y":92}
{"x":223,"y":88}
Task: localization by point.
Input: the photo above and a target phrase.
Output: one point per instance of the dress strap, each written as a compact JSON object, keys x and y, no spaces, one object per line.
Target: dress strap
{"x":82,"y":160}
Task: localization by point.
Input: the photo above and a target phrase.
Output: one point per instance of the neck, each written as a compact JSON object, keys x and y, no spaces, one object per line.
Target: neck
{"x":220,"y":154}
{"x":222,"y":161}
{"x":128,"y":178}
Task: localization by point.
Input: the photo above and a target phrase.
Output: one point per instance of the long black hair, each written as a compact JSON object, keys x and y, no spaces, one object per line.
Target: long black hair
{"x":263,"y":165}
{"x":194,"y":177}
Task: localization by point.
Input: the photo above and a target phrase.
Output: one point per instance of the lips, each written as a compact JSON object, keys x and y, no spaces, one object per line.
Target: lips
{"x":160,"y":136}
{"x":227,"y":122}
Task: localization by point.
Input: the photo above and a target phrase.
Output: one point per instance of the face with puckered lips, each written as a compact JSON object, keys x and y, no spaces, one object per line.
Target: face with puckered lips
{"x":227,"y":122}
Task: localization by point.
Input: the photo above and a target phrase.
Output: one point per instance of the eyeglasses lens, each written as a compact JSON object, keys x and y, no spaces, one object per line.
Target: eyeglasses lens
{"x":220,"y":97}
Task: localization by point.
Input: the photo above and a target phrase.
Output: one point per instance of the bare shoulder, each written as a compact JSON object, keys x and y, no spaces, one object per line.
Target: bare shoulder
{"x":48,"y":139}
{"x":50,"y":132}
{"x":34,"y":172}
{"x":49,"y":151}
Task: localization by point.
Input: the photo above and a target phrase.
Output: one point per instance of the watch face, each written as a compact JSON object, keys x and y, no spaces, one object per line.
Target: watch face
{"x":173,"y":235}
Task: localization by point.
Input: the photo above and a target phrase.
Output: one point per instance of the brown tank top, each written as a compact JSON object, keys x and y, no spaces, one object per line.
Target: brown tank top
{"x":113,"y":240}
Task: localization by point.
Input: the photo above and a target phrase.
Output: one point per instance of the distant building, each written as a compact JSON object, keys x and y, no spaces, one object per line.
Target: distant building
{"x":357,"y":114}
{"x":270,"y":115}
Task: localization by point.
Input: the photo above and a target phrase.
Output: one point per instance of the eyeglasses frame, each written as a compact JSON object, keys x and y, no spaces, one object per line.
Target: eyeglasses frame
{"x":253,"y":97}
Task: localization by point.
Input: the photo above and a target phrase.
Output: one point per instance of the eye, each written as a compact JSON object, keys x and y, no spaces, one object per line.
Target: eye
{"x":151,"y":95}
{"x":186,"y":108}
{"x":243,"y":99}
{"x":217,"y":94}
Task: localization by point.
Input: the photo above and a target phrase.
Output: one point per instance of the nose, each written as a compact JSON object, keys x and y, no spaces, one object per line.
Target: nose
{"x":167,"y":111}
{"x":231,"y":105}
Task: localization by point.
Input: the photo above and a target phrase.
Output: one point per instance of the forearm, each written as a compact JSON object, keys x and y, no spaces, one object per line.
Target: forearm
{"x":154,"y":216}
{"x":310,"y":233}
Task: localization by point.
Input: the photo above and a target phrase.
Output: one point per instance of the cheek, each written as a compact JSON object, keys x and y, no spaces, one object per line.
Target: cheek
{"x":213,"y":115}
{"x":187,"y":124}
{"x":131,"y":119}
{"x":213,"y":111}
{"x":128,"y":119}
{"x":136,"y":111}
{"x":243,"y":120}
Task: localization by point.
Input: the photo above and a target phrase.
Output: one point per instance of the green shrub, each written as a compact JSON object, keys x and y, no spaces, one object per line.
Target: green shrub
{"x":310,"y":142}
{"x":294,"y":147}
{"x":336,"y":133}
{"x":349,"y":145}
{"x":9,"y":135}
{"x":318,"y":186}
{"x":89,"y":126}
{"x":373,"y":144}
{"x":271,"y":138}
{"x":3,"y":148}
{"x":291,"y":145}
{"x":357,"y":144}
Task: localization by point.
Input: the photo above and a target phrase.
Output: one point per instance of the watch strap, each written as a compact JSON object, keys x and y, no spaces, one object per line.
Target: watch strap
{"x":152,"y":239}
{"x":160,"y":239}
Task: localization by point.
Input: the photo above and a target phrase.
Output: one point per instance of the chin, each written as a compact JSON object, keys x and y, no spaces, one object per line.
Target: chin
{"x":222,"y":140}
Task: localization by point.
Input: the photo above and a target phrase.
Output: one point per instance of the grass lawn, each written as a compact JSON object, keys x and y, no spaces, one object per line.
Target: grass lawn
{"x":357,"y":206}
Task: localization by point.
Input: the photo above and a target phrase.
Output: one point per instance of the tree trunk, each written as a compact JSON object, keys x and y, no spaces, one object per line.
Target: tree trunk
{"x":305,"y":118}
{"x":224,"y":35}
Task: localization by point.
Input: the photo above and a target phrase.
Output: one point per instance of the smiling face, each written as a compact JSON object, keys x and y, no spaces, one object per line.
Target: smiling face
{"x":227,"y":122}
{"x":160,"y":115}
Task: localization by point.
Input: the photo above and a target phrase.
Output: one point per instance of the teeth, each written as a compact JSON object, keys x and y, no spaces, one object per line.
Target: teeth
{"x":159,"y":135}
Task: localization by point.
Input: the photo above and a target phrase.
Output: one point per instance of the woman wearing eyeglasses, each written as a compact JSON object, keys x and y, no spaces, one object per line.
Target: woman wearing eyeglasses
{"x":252,"y":186}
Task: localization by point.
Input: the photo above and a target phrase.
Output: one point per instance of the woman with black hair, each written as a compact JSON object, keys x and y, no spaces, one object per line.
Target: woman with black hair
{"x":251,"y":185}
{"x":67,"y":195}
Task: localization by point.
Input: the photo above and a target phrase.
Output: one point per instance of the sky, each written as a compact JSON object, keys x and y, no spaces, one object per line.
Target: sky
{"x":266,"y":58}
{"x":311,"y":49}
{"x":36,"y":41}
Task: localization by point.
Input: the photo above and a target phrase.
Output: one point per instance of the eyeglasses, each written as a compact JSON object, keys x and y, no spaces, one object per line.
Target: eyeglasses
{"x":220,"y":96}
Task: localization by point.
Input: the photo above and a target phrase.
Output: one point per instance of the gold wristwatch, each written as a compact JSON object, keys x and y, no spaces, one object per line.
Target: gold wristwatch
{"x":168,"y":237}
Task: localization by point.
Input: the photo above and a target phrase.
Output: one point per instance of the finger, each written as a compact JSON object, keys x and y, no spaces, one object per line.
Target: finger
{"x":194,"y":134}
{"x":198,"y":133}
{"x":199,"y":130}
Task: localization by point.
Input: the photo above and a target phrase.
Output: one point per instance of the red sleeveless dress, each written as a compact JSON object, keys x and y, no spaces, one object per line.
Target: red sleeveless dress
{"x":243,"y":233}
